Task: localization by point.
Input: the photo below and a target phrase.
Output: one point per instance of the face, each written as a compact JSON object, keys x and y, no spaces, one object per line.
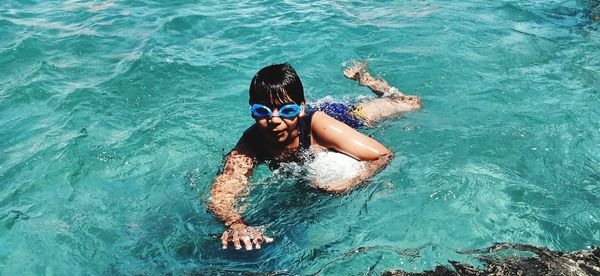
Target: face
{"x":277,"y":129}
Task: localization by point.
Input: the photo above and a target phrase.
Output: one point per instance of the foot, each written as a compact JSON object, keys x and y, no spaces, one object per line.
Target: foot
{"x":353,"y":72}
{"x":358,"y":71}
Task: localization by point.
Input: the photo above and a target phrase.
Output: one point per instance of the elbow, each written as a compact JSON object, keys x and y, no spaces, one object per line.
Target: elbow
{"x":384,"y":154}
{"x":382,"y":162}
{"x":387,"y":156}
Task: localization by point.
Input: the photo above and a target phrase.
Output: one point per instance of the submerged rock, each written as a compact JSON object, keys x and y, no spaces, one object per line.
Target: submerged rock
{"x":595,"y":10}
{"x":546,"y":262}
{"x":595,"y":13}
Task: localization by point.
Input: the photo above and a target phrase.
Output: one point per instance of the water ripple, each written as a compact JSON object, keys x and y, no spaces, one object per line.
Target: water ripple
{"x":115,"y":115}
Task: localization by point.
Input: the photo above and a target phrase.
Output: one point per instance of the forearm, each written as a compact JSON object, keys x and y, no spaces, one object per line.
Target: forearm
{"x":225,"y":193}
{"x":371,"y":168}
{"x":230,"y":186}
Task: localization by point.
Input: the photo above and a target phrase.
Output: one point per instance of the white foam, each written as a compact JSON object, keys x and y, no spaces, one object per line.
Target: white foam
{"x":328,"y":167}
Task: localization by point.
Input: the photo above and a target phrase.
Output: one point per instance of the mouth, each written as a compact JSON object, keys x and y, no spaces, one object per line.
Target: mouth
{"x":275,"y":133}
{"x":279,"y":133}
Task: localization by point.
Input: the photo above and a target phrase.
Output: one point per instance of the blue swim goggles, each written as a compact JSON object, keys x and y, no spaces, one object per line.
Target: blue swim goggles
{"x":288,"y":111}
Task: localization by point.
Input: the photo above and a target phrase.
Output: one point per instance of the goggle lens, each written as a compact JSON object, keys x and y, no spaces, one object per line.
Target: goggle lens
{"x":289,"y":111}
{"x":262,"y":111}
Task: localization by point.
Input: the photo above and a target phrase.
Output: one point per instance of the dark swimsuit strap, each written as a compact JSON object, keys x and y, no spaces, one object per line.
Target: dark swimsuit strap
{"x":304,"y":129}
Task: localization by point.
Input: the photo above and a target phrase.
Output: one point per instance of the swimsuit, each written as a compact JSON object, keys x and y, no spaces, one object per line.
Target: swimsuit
{"x":346,"y":113}
{"x":304,"y":129}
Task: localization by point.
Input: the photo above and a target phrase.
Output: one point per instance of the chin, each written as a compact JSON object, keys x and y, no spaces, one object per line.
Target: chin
{"x":282,"y":139}
{"x":278,"y":140}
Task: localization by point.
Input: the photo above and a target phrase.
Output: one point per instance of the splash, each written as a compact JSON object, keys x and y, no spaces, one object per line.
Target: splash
{"x":329,"y":167}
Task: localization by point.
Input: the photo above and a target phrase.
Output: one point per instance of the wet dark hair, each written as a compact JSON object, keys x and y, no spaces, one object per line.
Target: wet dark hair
{"x":276,"y":85}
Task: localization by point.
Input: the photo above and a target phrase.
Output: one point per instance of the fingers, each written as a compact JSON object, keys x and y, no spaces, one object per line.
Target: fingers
{"x":236,"y":240}
{"x":267,"y":239}
{"x":250,"y":238}
{"x":247,"y":243}
{"x":257,"y":243}
{"x":261,"y":239}
{"x":224,"y":239}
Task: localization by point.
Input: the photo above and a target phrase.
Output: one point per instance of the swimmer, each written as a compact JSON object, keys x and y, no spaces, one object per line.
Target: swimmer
{"x":285,"y":126}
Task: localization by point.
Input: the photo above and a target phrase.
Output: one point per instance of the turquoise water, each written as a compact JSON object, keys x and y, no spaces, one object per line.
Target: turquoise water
{"x":115,"y":116}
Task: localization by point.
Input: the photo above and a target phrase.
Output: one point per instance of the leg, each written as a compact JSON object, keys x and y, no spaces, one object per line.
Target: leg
{"x":358,"y":72}
{"x":390,"y":101}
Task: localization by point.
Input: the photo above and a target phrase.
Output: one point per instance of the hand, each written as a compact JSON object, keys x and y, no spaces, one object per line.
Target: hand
{"x":240,"y":233}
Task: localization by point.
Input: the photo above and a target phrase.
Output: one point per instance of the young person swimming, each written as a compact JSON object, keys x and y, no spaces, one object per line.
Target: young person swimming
{"x":285,"y":127}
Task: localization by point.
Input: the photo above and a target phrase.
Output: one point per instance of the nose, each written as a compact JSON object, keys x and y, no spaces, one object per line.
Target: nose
{"x":275,"y":119}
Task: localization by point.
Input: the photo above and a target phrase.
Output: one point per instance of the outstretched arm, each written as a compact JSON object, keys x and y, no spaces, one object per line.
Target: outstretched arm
{"x":333,"y":134}
{"x":231,"y":185}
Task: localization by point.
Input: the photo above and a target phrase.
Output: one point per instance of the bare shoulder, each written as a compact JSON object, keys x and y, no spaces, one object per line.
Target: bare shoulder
{"x":333,"y":134}
{"x":321,"y":122}
{"x":325,"y":128}
{"x":249,"y":143}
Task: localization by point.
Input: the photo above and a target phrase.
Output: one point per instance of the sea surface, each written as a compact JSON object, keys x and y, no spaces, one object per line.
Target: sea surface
{"x":115,"y":117}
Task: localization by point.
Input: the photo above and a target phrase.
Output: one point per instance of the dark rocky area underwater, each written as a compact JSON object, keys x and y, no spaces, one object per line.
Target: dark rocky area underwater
{"x":594,"y":10}
{"x":512,"y":259}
